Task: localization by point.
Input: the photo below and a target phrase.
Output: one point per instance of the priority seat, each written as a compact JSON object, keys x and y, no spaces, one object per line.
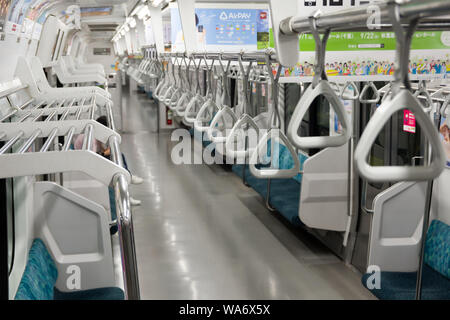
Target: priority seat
{"x":436,"y":271}
{"x":284,"y":193}
{"x":39,"y":278}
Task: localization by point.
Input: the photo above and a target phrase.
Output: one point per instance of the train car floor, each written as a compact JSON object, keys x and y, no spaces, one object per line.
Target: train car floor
{"x":201,"y":234}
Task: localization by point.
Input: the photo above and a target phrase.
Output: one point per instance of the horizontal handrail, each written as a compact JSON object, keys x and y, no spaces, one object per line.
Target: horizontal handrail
{"x":356,"y":18}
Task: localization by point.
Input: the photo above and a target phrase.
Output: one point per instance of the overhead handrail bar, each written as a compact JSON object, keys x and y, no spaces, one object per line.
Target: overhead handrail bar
{"x":256,"y":56}
{"x":355,"y":19}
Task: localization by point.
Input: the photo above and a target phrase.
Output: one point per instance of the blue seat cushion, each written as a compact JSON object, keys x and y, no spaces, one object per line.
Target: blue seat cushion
{"x":284,"y":193}
{"x":39,"y":276}
{"x":402,"y":285}
{"x":285,"y":197}
{"x":437,"y":247}
{"x":435,"y":280}
{"x":284,"y":160}
{"x":112,"y":205}
{"x":110,"y":293}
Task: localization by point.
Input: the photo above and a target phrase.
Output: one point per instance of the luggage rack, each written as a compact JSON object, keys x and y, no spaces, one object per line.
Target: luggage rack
{"x":37,"y":118}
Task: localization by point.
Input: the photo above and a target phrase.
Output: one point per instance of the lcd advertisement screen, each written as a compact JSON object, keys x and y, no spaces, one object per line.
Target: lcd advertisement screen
{"x":225,"y":29}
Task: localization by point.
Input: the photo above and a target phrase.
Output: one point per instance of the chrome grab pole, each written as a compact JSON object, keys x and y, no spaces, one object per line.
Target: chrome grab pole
{"x":125,"y":227}
{"x":124,"y":220}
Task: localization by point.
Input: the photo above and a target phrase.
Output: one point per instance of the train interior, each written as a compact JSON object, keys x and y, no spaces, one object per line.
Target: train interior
{"x":227,"y":149}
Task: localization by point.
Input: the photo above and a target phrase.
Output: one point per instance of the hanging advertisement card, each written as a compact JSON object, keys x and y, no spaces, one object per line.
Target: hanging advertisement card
{"x":4,"y":8}
{"x":409,"y":121}
{"x":355,"y":56}
{"x":444,"y":130}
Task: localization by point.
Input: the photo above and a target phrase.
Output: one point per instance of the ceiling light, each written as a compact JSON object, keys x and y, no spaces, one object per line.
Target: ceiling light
{"x":132,"y":23}
{"x":156,"y":3}
{"x":143,"y":13}
{"x":136,"y":10}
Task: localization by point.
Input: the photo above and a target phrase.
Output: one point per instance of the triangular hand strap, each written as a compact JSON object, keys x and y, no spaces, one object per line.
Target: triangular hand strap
{"x":160,"y":88}
{"x":221,"y":116}
{"x":374,"y":99}
{"x":354,"y":96}
{"x":322,"y":89}
{"x":239,"y":125}
{"x":181,"y":104}
{"x":167,"y":95}
{"x":402,"y":100}
{"x":191,"y":112}
{"x":274,"y":173}
{"x":423,"y":91}
{"x":174,"y":99}
{"x":205,"y":114}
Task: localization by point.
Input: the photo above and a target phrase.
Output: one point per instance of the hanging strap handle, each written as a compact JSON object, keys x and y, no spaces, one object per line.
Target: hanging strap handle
{"x":273,"y":173}
{"x":400,"y":98}
{"x":422,"y":90}
{"x":244,"y":120}
{"x":190,"y":115}
{"x":215,"y":122}
{"x":444,"y":108}
{"x":244,"y":78}
{"x":374,"y":99}
{"x":399,"y":173}
{"x":354,"y":96}
{"x":319,"y":87}
{"x":201,"y":117}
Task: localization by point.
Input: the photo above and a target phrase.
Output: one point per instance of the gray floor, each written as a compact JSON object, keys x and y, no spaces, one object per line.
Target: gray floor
{"x":201,"y":234}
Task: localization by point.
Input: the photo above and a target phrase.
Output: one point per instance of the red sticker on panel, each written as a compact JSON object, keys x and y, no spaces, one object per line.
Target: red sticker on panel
{"x":409,"y":121}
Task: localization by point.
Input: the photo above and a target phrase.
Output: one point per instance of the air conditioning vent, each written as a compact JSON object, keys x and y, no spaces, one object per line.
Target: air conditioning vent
{"x":110,"y":27}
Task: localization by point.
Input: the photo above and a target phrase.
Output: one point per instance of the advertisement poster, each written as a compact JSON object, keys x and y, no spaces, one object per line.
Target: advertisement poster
{"x":369,"y":53}
{"x":445,"y":138}
{"x":16,"y":15}
{"x":4,"y":8}
{"x":42,"y":17}
{"x":38,"y":19}
{"x":409,"y":121}
{"x":225,"y":29}
{"x":11,"y":26}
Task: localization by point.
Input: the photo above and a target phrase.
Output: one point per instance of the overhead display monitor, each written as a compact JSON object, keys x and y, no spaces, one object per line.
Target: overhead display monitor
{"x":225,"y":29}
